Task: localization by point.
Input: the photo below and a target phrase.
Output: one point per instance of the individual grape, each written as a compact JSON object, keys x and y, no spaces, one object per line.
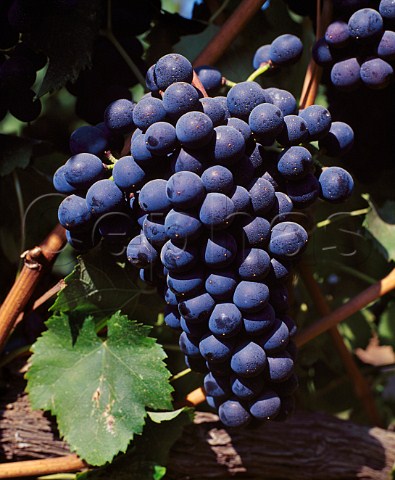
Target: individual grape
{"x":172,"y":317}
{"x":295,"y":163}
{"x":185,"y":190}
{"x":318,"y":121}
{"x":294,"y":132}
{"x":221,"y":284}
{"x":337,"y":34}
{"x":73,"y":213}
{"x":140,"y":152}
{"x":303,"y":192}
{"x":218,"y":179}
{"x":172,"y":68}
{"x":128,"y":175}
{"x":241,"y":126}
{"x":240,"y":198}
{"x":210,"y":77}
{"x":281,"y":209}
{"x":248,"y":359}
{"x":291,"y":325}
{"x":189,"y":345}
{"x":217,"y":211}
{"x":252,"y":264}
{"x":336,"y":184}
{"x":148,"y":110}
{"x":266,"y":406}
{"x":214,"y":110}
{"x":246,"y":388}
{"x":262,"y":196}
{"x":170,"y":298}
{"x":180,"y":226}
{"x":104,"y":197}
{"x":178,"y":258}
{"x":286,"y":50}
{"x":186,"y":284}
{"x":181,"y":98}
{"x":215,"y":349}
{"x":82,"y":241}
{"x":282,"y":99}
{"x":338,"y":141}
{"x":251,"y":297}
{"x":322,"y":54}
{"x":387,"y":9}
{"x":140,"y":253}
{"x":191,"y":161}
{"x":288,"y":240}
{"x":280,"y":367}
{"x":243,"y":98}
{"x":60,"y":183}
{"x":219,"y":250}
{"x":25,"y":106}
{"x":155,"y":230}
{"x":160,"y":138}
{"x":225,"y":320}
{"x":256,"y":231}
{"x":233,"y":414}
{"x":386,"y":46}
{"x":229,"y":145}
{"x":266,"y":122}
{"x":216,"y":386}
{"x":224,"y":103}
{"x":193,"y":329}
{"x":150,"y":80}
{"x":194,"y":130}
{"x":262,"y":55}
{"x":256,"y":324}
{"x":118,"y":116}
{"x":280,"y":271}
{"x":88,"y":139}
{"x":376,"y":73}
{"x":83,"y":170}
{"x":153,"y":198}
{"x":365,"y":24}
{"x":346,"y":74}
{"x":276,"y":339}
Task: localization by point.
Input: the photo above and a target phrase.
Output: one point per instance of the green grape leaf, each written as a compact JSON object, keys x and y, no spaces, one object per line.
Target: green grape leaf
{"x":97,"y":388}
{"x":146,"y":460}
{"x":66,"y":36}
{"x":99,"y":285}
{"x":15,"y":152}
{"x":386,"y":327}
{"x":380,"y":224}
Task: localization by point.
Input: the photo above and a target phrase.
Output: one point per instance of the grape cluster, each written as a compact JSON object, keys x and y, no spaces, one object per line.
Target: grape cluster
{"x":213,"y":184}
{"x":358,"y":48}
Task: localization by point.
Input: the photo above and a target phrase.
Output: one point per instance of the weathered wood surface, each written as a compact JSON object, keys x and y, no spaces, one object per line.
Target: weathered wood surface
{"x":308,"y":446}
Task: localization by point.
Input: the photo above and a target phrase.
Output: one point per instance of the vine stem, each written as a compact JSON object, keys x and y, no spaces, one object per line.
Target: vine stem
{"x":36,"y":262}
{"x":264,"y":67}
{"x":361,"y":386}
{"x":47,"y":466}
{"x":229,"y":30}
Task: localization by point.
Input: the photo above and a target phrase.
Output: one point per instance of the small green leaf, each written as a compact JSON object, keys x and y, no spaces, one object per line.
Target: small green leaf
{"x":149,"y":453}
{"x":159,"y":417}
{"x":66,"y":37}
{"x":99,"y":285}
{"x":15,"y":152}
{"x":380,"y":223}
{"x":98,"y":389}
